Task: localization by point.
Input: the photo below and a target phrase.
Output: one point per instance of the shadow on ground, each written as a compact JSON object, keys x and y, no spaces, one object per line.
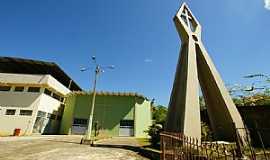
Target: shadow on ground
{"x":140,"y":150}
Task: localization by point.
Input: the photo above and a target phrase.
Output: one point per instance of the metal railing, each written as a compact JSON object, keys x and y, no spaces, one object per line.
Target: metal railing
{"x":176,"y":146}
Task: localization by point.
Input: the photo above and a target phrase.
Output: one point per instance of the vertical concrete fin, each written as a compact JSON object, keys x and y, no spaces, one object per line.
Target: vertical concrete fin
{"x":221,"y":109}
{"x":194,"y":67}
{"x":184,"y":110}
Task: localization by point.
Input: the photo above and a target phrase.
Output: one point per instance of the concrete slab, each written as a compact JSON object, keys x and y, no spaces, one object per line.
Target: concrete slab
{"x":60,"y":148}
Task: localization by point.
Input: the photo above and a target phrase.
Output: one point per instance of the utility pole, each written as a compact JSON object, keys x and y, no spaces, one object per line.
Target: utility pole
{"x":90,"y":122}
{"x":98,"y":69}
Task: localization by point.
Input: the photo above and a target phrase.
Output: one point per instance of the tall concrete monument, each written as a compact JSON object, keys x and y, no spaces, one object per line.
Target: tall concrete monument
{"x":196,"y":67}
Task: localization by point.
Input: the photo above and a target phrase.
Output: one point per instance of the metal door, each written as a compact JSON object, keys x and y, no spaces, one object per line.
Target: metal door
{"x":126,"y":128}
{"x":79,"y":126}
{"x":78,"y":129}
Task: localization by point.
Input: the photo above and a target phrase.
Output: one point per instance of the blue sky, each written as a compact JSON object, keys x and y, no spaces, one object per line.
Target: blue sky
{"x":137,"y":36}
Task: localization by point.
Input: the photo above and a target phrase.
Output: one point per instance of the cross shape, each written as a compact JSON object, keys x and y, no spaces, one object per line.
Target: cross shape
{"x":188,"y":20}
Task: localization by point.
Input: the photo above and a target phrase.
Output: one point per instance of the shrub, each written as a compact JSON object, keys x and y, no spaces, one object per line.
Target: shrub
{"x":154,"y":131}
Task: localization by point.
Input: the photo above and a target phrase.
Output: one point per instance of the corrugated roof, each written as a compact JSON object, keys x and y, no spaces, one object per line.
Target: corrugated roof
{"x":29,"y":66}
{"x":106,"y":93}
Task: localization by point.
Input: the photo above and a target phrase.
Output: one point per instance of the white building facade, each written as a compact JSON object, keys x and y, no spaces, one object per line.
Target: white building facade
{"x":32,"y":103}
{"x":31,"y":96}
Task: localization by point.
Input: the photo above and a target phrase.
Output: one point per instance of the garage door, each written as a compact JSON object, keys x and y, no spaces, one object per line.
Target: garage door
{"x":79,"y":126}
{"x":126,"y":128}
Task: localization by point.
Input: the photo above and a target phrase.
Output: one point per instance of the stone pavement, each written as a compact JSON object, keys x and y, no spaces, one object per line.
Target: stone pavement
{"x":66,"y":148}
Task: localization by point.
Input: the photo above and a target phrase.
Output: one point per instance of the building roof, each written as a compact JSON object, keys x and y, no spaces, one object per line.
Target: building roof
{"x":104,"y":93}
{"x":28,"y":66}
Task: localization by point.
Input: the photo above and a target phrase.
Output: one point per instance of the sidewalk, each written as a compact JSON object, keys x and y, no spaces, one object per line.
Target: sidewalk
{"x":64,"y":148}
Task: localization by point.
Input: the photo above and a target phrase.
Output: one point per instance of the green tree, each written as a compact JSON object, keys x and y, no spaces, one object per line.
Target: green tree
{"x":206,"y":132}
{"x":238,"y":101}
{"x":154,"y":131}
{"x":159,"y":114}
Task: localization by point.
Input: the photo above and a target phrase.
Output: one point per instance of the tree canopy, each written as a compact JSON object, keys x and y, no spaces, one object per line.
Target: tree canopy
{"x":159,"y":114}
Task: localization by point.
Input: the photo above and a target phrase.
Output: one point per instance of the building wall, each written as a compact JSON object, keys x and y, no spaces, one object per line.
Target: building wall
{"x":67,"y":119}
{"x":28,"y":101}
{"x":109,"y":111}
{"x":17,"y":101}
{"x":51,"y":106}
{"x":143,"y":117}
{"x":48,"y":103}
{"x":28,"y":79}
{"x":56,"y":85}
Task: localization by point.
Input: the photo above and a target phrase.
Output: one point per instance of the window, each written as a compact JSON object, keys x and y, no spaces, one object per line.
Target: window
{"x":33,"y":89}
{"x":19,"y":89}
{"x":56,"y":96}
{"x":51,"y":116}
{"x":48,"y":92}
{"x":10,"y":112}
{"x":5,"y":88}
{"x":62,"y":99}
{"x":26,"y":112}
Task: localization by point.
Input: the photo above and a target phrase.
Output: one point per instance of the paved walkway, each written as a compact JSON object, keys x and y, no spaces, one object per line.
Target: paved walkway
{"x":66,"y":148}
{"x":118,"y":141}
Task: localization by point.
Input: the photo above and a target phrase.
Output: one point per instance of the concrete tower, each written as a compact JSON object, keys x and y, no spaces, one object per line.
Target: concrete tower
{"x":196,"y":67}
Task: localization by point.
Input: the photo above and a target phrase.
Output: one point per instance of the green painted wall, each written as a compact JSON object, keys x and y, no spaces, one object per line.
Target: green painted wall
{"x":143,"y":117}
{"x":67,"y":118}
{"x":109,"y":110}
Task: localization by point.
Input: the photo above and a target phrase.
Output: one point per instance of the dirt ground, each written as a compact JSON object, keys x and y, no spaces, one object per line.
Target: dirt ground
{"x":66,"y":148}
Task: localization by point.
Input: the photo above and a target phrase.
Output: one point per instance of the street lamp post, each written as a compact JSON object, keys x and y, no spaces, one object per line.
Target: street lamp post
{"x":90,"y":122}
{"x":98,"y":70}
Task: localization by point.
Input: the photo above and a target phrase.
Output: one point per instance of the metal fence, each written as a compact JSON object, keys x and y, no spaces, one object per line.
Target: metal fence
{"x":176,"y":146}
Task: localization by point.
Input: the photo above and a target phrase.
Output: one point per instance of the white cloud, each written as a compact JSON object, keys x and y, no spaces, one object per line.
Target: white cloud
{"x":267,"y":4}
{"x":147,"y":60}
